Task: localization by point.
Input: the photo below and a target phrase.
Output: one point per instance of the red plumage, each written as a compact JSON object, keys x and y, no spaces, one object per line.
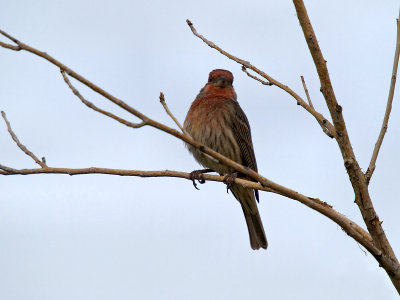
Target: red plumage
{"x":216,"y":120}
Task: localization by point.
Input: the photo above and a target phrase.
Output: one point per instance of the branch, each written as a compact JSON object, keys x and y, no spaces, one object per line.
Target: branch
{"x":371,"y":167}
{"x":356,"y":176}
{"x":95,"y":108}
{"x":164,"y":104}
{"x":310,"y":102}
{"x":271,"y":81}
{"x":22,"y":147}
{"x":256,"y":78}
{"x":306,"y":91}
{"x":315,"y":203}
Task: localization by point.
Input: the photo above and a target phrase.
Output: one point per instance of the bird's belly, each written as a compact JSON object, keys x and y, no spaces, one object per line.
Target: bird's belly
{"x":222,"y":141}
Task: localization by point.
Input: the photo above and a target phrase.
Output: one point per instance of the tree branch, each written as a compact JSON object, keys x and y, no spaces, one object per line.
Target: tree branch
{"x":315,"y":203}
{"x":271,"y":81}
{"x":371,"y":167}
{"x":311,"y":104}
{"x":356,"y":176}
{"x":169,"y":113}
{"x":95,"y":108}
{"x":256,"y":78}
{"x":22,"y":147}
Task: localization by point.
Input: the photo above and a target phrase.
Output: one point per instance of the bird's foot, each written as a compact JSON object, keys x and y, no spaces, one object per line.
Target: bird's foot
{"x":229,"y":180}
{"x":198,"y":175}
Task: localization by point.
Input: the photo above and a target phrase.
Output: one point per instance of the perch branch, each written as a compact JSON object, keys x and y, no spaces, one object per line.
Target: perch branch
{"x":314,"y":203}
{"x":356,"y":176}
{"x":271,"y":81}
{"x":371,"y":167}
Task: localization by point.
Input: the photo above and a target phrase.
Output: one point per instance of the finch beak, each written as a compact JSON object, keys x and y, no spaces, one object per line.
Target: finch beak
{"x":222,"y":82}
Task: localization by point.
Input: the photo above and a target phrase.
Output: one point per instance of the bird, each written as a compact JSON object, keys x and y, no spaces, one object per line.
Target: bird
{"x":216,"y":120}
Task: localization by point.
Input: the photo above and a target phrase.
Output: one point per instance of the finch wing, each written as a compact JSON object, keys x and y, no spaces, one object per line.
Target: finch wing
{"x":242,"y":132}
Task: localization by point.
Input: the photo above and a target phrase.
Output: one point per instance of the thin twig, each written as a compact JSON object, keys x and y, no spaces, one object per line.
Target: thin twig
{"x":95,"y":108}
{"x":164,"y":104}
{"x":311,"y":104}
{"x":378,"y":144}
{"x":9,"y":37}
{"x":319,"y":117}
{"x":306,"y":91}
{"x":22,"y":147}
{"x":256,"y":78}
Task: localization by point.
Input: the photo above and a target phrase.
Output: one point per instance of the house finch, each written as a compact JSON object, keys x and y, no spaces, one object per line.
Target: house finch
{"x":216,"y":120}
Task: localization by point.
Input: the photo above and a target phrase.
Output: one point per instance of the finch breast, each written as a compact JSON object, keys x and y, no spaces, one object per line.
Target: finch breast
{"x":209,"y":121}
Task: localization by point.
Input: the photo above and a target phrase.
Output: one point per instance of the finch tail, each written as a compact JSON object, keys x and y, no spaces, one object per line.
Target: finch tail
{"x":254,"y":225}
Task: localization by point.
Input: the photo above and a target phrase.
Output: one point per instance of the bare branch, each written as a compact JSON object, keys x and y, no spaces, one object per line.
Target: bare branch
{"x":8,"y":170}
{"x":22,"y":147}
{"x":348,"y":226}
{"x":95,"y":108}
{"x":12,"y":47}
{"x":256,"y":78}
{"x":164,"y":104}
{"x":9,"y":37}
{"x":319,"y":117}
{"x":356,"y":176}
{"x":78,"y":77}
{"x":306,"y":91}
{"x":310,"y":102}
{"x":371,"y":167}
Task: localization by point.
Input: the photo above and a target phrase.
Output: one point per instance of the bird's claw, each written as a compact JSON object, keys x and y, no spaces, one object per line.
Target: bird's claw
{"x":197,"y":175}
{"x":229,"y":180}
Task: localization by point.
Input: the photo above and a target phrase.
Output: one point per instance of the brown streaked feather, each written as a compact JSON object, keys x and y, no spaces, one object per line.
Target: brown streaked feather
{"x":242,"y":132}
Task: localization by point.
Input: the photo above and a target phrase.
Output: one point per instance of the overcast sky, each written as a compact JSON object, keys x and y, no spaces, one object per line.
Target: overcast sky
{"x":105,"y":237}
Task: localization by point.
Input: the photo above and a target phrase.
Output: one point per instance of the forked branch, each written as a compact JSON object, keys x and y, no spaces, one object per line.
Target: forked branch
{"x":371,"y":167}
{"x":356,"y":176}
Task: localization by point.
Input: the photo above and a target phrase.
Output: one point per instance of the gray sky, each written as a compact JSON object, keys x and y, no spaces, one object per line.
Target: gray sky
{"x":104,"y":237}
